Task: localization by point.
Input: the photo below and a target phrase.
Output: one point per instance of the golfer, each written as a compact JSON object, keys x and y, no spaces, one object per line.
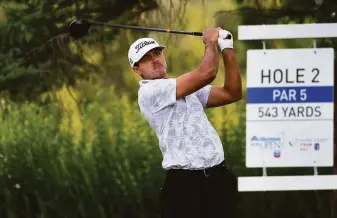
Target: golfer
{"x":198,"y":183}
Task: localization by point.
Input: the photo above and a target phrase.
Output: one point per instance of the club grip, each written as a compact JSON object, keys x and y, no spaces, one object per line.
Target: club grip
{"x":200,"y":34}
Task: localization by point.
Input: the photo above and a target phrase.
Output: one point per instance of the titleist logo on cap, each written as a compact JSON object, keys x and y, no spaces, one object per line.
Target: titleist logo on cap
{"x":143,"y":44}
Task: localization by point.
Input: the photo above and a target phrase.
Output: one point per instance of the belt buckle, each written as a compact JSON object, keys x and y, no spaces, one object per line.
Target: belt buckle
{"x":205,"y":172}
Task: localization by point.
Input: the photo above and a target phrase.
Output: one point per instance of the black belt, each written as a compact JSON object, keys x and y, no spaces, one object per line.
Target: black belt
{"x":206,"y":171}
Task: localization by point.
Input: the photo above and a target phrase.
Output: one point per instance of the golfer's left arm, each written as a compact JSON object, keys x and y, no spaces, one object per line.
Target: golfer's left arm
{"x":231,"y":91}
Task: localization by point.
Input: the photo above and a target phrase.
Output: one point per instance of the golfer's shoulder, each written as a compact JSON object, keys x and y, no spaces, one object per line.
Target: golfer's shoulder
{"x":155,"y":87}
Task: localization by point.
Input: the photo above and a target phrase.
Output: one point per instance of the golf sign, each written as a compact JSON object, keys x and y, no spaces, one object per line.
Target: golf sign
{"x":290,"y":107}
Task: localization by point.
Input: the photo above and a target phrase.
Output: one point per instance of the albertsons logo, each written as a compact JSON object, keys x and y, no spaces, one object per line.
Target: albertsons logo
{"x":254,"y":141}
{"x":267,"y":142}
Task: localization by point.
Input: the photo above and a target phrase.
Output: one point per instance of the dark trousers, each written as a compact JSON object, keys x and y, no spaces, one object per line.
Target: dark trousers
{"x":210,"y":193}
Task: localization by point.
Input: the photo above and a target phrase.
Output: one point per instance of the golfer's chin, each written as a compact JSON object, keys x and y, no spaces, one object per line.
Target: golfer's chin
{"x":160,"y":74}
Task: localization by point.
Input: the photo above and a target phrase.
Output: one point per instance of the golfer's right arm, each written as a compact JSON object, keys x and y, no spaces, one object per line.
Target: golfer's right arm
{"x":206,"y":72}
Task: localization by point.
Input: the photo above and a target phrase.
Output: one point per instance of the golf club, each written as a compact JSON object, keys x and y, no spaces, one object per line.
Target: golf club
{"x":78,"y":28}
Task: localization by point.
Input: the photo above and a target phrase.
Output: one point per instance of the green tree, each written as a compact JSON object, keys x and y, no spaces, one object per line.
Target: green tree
{"x":37,"y":53}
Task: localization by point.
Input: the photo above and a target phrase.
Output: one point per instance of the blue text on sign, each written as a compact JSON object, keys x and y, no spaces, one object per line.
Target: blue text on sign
{"x":305,"y":94}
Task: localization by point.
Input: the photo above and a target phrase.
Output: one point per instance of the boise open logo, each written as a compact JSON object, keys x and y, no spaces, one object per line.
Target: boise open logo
{"x":143,"y":44}
{"x":268,"y":143}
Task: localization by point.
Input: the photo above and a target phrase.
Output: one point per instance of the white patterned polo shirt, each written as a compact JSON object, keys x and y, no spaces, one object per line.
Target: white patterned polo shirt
{"x":187,"y":139}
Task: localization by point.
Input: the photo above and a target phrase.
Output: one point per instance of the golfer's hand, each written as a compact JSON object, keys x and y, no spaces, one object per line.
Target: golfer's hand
{"x":224,"y":42}
{"x":210,"y":35}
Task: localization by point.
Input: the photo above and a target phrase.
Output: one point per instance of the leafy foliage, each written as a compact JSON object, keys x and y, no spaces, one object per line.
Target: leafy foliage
{"x":37,"y":52}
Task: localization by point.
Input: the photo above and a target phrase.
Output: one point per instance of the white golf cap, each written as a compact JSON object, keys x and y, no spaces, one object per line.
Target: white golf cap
{"x":140,"y":47}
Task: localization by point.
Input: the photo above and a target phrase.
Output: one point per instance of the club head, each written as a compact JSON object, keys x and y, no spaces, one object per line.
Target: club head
{"x":79,"y":28}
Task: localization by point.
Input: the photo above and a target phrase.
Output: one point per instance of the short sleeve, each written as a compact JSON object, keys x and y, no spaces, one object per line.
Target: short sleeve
{"x":202,"y":95}
{"x":158,"y":94}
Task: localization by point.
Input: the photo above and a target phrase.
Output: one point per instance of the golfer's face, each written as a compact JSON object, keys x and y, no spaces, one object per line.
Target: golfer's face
{"x":153,"y":65}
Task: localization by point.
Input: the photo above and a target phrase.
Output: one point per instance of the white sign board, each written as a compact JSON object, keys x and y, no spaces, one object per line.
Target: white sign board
{"x":289,"y":120}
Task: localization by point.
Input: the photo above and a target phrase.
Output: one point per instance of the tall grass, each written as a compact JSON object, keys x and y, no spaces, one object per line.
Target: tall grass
{"x":107,"y":172}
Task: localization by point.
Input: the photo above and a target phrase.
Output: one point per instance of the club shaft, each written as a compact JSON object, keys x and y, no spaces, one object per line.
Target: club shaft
{"x":146,"y":28}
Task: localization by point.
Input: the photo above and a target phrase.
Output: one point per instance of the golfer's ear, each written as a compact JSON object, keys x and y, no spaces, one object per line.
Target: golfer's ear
{"x":136,"y":69}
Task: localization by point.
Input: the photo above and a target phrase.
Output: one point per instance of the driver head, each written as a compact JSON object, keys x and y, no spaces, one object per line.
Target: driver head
{"x":79,"y":28}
